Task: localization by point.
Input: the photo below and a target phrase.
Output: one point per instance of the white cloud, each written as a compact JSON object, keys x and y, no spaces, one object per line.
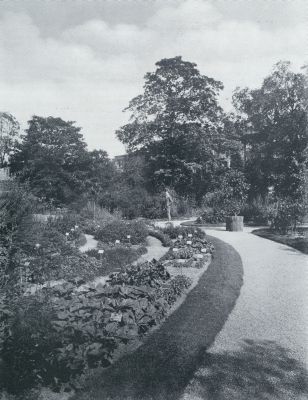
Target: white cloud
{"x":89,"y":72}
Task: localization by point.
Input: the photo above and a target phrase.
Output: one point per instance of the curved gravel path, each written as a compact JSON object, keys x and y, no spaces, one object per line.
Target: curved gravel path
{"x":273,"y":304}
{"x":262,"y":349}
{"x":155,"y":250}
{"x":90,"y":244}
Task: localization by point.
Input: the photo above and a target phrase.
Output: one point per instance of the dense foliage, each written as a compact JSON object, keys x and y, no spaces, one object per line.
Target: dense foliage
{"x":191,"y":247}
{"x":133,"y":232}
{"x":231,"y":194}
{"x":9,"y":133}
{"x":178,"y":126}
{"x":53,"y":159}
{"x":174,"y":231}
{"x":275,"y":131}
{"x":64,"y":331}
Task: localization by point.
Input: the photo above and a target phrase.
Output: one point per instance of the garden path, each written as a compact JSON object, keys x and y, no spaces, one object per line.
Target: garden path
{"x":154,"y":250}
{"x":270,"y":316}
{"x":273,"y":303}
{"x":90,"y":244}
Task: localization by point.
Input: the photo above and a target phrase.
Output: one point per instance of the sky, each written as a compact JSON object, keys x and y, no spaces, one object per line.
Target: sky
{"x":84,"y":60}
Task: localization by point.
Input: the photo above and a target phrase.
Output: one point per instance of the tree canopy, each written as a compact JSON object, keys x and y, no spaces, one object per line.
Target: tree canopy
{"x":9,"y":132}
{"x":53,"y":158}
{"x":274,"y":124}
{"x":177,"y":124}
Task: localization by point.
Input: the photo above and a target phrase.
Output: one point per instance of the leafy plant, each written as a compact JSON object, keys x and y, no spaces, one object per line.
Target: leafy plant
{"x":120,"y":230}
{"x":66,"y":330}
{"x":174,"y":231}
{"x":230,"y":195}
{"x":177,"y":286}
{"x":289,"y":213}
{"x":150,"y":273}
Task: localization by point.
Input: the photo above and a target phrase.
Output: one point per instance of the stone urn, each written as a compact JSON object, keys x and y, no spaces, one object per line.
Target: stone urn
{"x":235,"y":223}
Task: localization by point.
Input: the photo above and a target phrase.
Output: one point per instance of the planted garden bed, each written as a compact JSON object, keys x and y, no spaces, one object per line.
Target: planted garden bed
{"x":65,"y":330}
{"x":53,"y":337}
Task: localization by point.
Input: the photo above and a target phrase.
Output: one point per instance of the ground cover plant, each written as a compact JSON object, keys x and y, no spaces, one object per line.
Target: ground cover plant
{"x":116,"y":257}
{"x":76,"y":329}
{"x":189,"y":248}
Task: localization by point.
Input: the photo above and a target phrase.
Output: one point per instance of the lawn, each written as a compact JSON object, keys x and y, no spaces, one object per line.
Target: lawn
{"x":298,"y":240}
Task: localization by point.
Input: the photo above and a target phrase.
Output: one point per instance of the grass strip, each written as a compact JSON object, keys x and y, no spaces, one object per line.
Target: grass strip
{"x":298,"y":243}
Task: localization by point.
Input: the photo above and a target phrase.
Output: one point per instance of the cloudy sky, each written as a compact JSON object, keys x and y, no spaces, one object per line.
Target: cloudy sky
{"x":83,"y":60}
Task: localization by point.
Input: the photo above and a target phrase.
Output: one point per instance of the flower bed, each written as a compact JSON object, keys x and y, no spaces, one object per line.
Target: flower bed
{"x":134,"y":232}
{"x":56,"y":335}
{"x":186,"y":249}
{"x":175,"y":231}
{"x":77,"y":328}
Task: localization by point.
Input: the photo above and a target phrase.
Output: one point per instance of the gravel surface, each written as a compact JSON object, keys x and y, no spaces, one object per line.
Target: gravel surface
{"x":90,"y":244}
{"x":154,"y":250}
{"x":261,"y":352}
{"x":273,"y":304}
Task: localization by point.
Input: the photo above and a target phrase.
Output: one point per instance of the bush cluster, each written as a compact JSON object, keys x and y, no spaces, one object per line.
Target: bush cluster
{"x":288,"y":213}
{"x":175,"y":231}
{"x":120,"y":230}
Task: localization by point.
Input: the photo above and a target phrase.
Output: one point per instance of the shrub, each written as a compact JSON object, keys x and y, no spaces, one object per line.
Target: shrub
{"x":134,"y":202}
{"x":174,"y":231}
{"x":93,"y":217}
{"x":119,"y":230}
{"x":211,"y":215}
{"x":230,"y":195}
{"x":183,"y":206}
{"x":28,"y":346}
{"x":289,"y":213}
{"x":258,"y":211}
{"x":67,"y":223}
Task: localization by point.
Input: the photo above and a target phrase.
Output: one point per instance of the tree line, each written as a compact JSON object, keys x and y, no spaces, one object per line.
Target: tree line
{"x":178,"y":136}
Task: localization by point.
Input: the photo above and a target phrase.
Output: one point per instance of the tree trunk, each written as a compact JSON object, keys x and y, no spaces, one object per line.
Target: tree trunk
{"x":235,"y":223}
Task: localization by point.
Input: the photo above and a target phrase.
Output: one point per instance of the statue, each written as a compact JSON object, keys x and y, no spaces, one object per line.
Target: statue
{"x":169,"y":201}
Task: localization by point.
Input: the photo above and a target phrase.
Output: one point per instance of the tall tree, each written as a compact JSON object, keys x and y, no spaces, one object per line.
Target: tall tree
{"x":53,"y":158}
{"x":274,"y":126}
{"x":9,"y":132}
{"x":177,"y":124}
{"x":100,"y":173}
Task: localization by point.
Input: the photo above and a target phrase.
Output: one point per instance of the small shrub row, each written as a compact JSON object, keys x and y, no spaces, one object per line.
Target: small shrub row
{"x":175,"y":231}
{"x":120,"y":230}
